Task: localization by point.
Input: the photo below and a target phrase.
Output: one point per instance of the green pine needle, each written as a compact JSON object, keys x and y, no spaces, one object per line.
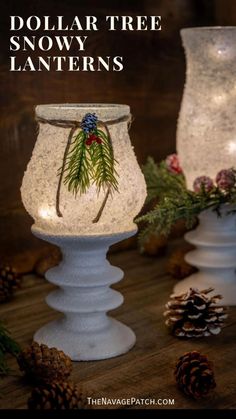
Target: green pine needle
{"x":103,"y":163}
{"x":7,"y":345}
{"x":78,"y":167}
{"x":86,"y":164}
{"x":170,"y":209}
{"x":159,"y":179}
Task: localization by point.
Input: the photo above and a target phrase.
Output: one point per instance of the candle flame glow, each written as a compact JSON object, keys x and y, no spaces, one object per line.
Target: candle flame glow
{"x":232,"y":147}
{"x":45,"y":212}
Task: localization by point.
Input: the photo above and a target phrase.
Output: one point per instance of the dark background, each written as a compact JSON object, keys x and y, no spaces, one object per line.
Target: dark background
{"x":151,"y":83}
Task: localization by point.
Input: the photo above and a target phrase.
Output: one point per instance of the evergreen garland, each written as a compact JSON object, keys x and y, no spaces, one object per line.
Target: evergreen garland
{"x":159,"y":180}
{"x":167,"y":184}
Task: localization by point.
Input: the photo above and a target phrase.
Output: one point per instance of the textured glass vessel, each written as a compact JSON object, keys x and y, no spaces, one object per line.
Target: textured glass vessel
{"x":39,"y":187}
{"x":206,"y":134}
{"x":206,"y":144}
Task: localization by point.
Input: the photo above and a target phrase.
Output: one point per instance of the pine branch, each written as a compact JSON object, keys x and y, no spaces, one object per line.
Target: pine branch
{"x":185,"y":205}
{"x":90,"y":162}
{"x":159,"y":179}
{"x":78,"y":166}
{"x":176,"y":202}
{"x":103,"y":163}
{"x":7,"y":345}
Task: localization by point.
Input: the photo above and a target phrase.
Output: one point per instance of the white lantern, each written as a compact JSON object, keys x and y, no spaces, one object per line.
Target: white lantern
{"x":84,"y":226}
{"x":206,"y":144}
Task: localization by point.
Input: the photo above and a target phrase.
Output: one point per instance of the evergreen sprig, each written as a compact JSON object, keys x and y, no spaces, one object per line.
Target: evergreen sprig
{"x":78,"y":167}
{"x":159,"y":179}
{"x":176,"y":202}
{"x":103,"y":161}
{"x":7,"y":346}
{"x":90,"y":161}
{"x":170,"y":209}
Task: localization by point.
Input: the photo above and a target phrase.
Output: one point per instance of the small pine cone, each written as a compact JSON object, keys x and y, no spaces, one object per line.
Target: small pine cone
{"x":195,"y":314}
{"x":154,"y":244}
{"x":44,"y":364}
{"x":57,"y":396}
{"x":9,"y":281}
{"x":177,"y":266}
{"x":194,"y":374}
{"x":178,"y":229}
{"x":47,"y":261}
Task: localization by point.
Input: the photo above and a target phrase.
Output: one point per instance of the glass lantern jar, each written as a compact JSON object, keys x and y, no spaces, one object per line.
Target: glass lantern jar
{"x":206,"y":132}
{"x":40,"y":182}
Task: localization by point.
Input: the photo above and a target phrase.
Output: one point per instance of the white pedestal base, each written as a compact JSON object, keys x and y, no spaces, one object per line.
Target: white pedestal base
{"x":116,"y":339}
{"x":214,"y":256}
{"x":202,"y":281}
{"x":85,"y":332}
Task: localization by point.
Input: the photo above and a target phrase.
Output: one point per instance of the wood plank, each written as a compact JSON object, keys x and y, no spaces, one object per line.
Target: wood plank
{"x":147,"y":370}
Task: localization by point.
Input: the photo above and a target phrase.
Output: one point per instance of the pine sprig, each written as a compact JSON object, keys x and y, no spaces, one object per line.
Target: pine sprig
{"x":90,"y":161}
{"x":186,"y":205}
{"x":169,"y":210}
{"x":103,"y":163}
{"x":78,"y":167}
{"x":7,"y":346}
{"x":159,"y":179}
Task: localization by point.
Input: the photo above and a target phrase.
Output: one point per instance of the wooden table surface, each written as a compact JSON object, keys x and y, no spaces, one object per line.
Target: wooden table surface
{"x":147,"y":370}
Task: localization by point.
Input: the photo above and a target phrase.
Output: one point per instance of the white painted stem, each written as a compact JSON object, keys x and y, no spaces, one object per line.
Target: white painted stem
{"x":84,"y":276}
{"x":214,"y":256}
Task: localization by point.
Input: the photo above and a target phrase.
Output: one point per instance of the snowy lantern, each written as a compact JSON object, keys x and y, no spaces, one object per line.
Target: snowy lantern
{"x":83,"y":187}
{"x":206,"y":144}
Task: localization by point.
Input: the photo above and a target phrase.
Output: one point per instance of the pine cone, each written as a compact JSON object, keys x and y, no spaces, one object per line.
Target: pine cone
{"x":57,"y":395}
{"x":178,"y":229}
{"x":9,"y":281}
{"x":47,"y":261}
{"x":43,"y":364}
{"x":178,"y":267}
{"x":194,"y":314}
{"x":154,"y":244}
{"x":194,"y":375}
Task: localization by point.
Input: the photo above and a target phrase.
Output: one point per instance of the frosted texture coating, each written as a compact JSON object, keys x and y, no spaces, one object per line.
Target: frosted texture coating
{"x":41,"y":180}
{"x":206,"y":133}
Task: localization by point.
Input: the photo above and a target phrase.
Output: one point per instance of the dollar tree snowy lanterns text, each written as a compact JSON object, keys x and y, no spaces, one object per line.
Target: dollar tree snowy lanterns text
{"x":33,"y":40}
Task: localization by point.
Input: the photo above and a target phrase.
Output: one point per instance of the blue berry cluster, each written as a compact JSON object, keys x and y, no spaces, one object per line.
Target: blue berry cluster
{"x":89,"y":122}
